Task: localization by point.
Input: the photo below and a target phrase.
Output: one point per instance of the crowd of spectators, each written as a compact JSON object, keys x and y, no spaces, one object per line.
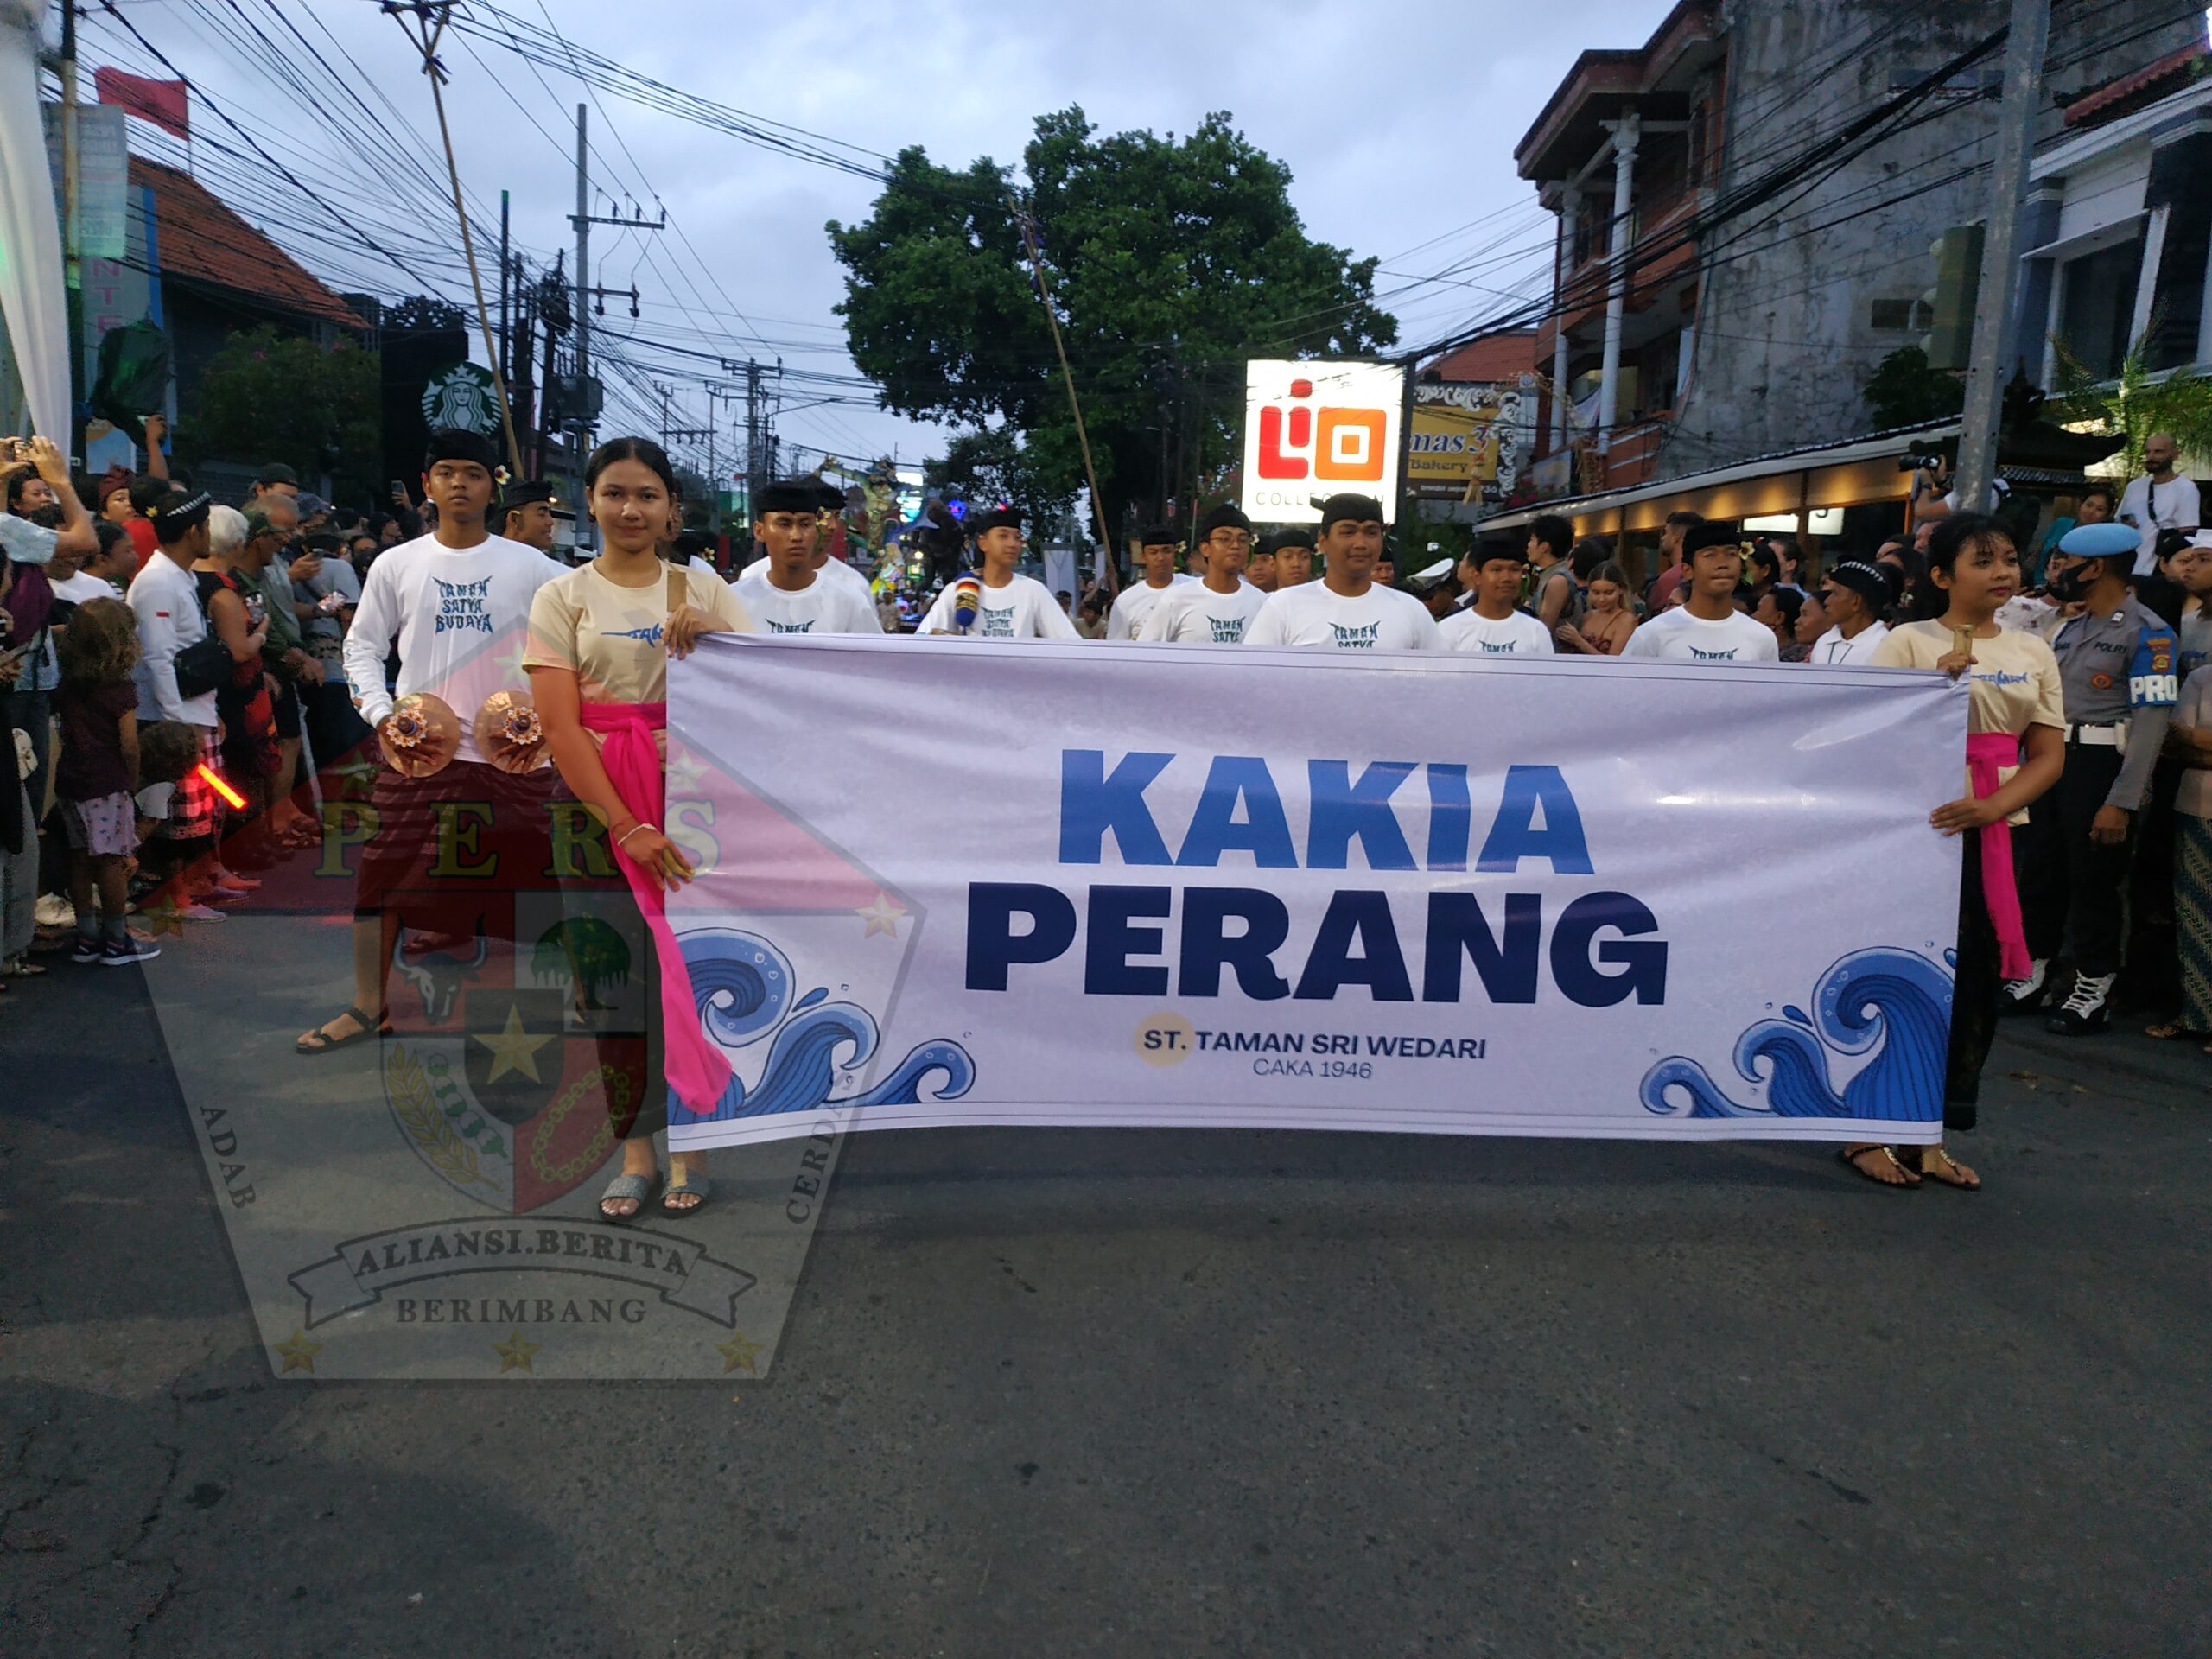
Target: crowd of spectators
{"x":174,"y":670}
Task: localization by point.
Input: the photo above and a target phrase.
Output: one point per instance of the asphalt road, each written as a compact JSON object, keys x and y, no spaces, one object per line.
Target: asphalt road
{"x":1166,"y":1394}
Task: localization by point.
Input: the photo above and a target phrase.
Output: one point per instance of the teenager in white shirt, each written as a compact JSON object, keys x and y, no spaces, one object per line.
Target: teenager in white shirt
{"x":2161,"y":499}
{"x":1494,"y":625}
{"x":457,"y":603}
{"x":1346,"y":610}
{"x":1010,"y":606}
{"x":1706,"y":627}
{"x":1855,"y":597}
{"x":1134,"y":605}
{"x":789,"y":592}
{"x":1293,"y":551}
{"x":165,"y":599}
{"x":1217,"y":611}
{"x":825,"y":498}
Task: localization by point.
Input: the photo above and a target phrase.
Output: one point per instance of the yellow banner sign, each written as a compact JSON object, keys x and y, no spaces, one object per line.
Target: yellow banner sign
{"x":1454,"y":447}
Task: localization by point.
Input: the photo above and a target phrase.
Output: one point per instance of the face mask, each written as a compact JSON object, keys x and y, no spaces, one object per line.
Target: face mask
{"x":2075,"y":581}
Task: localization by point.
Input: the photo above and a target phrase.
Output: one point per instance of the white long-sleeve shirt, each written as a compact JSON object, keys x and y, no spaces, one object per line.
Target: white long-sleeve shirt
{"x":461,"y":618}
{"x":166,"y":600}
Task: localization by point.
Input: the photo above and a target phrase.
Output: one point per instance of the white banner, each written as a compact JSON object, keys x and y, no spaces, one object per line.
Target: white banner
{"x":1044,"y":884}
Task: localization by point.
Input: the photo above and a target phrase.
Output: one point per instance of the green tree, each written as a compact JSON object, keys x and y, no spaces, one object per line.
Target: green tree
{"x":1904,"y":391}
{"x":271,"y":397}
{"x":2136,"y":403}
{"x":1170,"y":262}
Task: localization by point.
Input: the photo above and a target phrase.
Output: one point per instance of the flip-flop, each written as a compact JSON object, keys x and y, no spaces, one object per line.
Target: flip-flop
{"x":1849,"y":1159}
{"x":681,"y":1182}
{"x":1928,"y":1174}
{"x":316,"y":1042}
{"x":2169,"y":1031}
{"x":635,"y":1188}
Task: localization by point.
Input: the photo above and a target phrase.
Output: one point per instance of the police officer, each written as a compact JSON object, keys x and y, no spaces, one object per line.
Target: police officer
{"x":1436,"y":588}
{"x":2118,"y":664}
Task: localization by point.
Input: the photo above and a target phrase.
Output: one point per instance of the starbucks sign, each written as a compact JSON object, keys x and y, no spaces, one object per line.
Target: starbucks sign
{"x":462,"y":396}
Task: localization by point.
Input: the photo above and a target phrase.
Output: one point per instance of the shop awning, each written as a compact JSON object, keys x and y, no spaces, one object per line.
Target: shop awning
{"x":1847,"y":475}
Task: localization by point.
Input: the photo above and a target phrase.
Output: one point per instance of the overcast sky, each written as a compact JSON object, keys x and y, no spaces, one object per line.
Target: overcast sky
{"x":1397,"y":118}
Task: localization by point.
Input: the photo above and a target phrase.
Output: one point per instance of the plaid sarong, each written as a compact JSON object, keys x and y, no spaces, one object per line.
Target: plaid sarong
{"x":194,"y":808}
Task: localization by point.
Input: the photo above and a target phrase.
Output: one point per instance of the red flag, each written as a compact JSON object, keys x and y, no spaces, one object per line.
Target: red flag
{"x":162,"y":102}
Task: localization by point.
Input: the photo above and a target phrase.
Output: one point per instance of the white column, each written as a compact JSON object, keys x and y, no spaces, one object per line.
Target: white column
{"x":1570,"y":205}
{"x":2147,"y":285}
{"x":2203,"y":314}
{"x":1625,"y":139}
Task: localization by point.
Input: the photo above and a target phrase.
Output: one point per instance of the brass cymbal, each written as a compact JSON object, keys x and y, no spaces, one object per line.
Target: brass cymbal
{"x":510,"y":735}
{"x":420,"y":736}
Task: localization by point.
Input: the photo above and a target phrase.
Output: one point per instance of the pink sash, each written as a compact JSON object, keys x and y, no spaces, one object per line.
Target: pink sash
{"x":697,"y":1070}
{"x":1985,"y":753}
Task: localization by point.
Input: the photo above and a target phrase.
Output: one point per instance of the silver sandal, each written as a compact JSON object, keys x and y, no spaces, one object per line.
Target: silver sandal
{"x":635,"y":1188}
{"x":686,"y":1182}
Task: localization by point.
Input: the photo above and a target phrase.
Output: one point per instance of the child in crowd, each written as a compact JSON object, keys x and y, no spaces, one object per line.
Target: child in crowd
{"x":98,"y":774}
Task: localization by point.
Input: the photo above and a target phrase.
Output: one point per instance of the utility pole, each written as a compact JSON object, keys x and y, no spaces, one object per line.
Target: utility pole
{"x":2015,"y":139}
{"x":583,"y":218}
{"x":506,"y":361}
{"x":72,"y":441}
{"x":698,"y":435}
{"x":666,"y":392}
{"x":759,"y":444}
{"x":752,"y":436}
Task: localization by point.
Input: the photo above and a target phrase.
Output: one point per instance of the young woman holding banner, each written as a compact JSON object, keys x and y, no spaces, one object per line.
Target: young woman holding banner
{"x":2015,"y":748}
{"x":600,"y":638}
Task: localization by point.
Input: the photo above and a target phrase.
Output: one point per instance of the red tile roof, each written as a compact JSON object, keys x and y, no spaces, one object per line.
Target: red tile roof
{"x":202,"y":240}
{"x":2104,"y":100}
{"x":1494,"y":357}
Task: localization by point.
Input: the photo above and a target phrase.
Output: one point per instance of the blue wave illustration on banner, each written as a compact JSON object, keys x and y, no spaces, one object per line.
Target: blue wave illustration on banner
{"x":744,"y":989}
{"x":1893,"y":1004}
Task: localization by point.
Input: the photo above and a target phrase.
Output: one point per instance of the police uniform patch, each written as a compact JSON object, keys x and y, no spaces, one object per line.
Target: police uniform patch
{"x":2152,"y":682}
{"x":2102,"y":681}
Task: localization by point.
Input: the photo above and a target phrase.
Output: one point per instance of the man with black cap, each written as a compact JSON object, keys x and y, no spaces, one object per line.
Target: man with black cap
{"x":526,"y":514}
{"x":1260,"y":567}
{"x":791,"y":590}
{"x":1494,"y":624}
{"x":1346,"y":610}
{"x":1008,"y":606}
{"x":1855,"y":595}
{"x":1156,"y":550}
{"x":807,"y":497}
{"x":1293,"y":553}
{"x":1217,"y":610}
{"x":275,"y":479}
{"x":1706,"y":627}
{"x":2118,"y":665}
{"x":456,"y":603}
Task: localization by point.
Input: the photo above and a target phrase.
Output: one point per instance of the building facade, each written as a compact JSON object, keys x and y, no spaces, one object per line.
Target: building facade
{"x":2118,"y":228}
{"x":1730,"y":266}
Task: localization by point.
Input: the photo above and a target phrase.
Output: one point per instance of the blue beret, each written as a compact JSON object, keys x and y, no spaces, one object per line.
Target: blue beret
{"x":2101,"y":541}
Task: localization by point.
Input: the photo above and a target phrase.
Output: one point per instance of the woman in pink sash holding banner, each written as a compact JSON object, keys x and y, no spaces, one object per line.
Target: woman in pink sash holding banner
{"x":600,"y":638}
{"x":2015,"y":748}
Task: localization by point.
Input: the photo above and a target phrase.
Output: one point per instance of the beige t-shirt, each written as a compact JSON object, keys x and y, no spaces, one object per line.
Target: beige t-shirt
{"x":2016,"y":682}
{"x":612,"y":636}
